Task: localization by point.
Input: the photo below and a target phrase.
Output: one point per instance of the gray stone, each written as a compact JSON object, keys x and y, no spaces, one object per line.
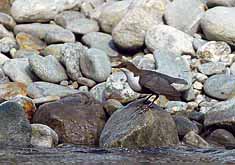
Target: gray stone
{"x":85,"y":81}
{"x":169,"y":38}
{"x":7,"y":20}
{"x":15,"y":129}
{"x":126,"y":128}
{"x":3,"y":58}
{"x":3,"y":78}
{"x":95,"y":65}
{"x":195,"y":140}
{"x":130,"y":32}
{"x":47,"y":68}
{"x":144,"y":62}
{"x":39,"y":10}
{"x":19,"y":70}
{"x":24,"y":53}
{"x":232,"y":69}
{"x":60,"y":36}
{"x":217,"y":24}
{"x":189,"y":95}
{"x":212,"y":68}
{"x":176,"y":106}
{"x":111,"y":106}
{"x":173,"y":65}
{"x":53,"y":49}
{"x":198,"y":42}
{"x":43,"y":89}
{"x":64,"y":18}
{"x":6,"y":44}
{"x":214,"y":3}
{"x":101,"y":41}
{"x":98,"y":91}
{"x":4,"y":32}
{"x":43,"y":136}
{"x":185,"y":15}
{"x":220,"y":87}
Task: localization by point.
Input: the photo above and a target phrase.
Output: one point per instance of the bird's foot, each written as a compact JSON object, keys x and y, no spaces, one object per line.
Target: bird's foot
{"x":144,"y":109}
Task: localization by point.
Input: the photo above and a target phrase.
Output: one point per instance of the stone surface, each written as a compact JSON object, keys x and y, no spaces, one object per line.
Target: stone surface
{"x":15,"y":129}
{"x":212,"y":68}
{"x":185,"y":15}
{"x":39,"y":10}
{"x":23,"y":53}
{"x":53,"y":49}
{"x":3,"y":58}
{"x":71,"y":118}
{"x":19,"y":70}
{"x":4,"y":32}
{"x":126,"y":128}
{"x":11,"y":89}
{"x":47,"y":68}
{"x":144,"y":62}
{"x":7,"y":20}
{"x":98,"y":91}
{"x":62,"y":36}
{"x":111,"y":106}
{"x":6,"y":44}
{"x":43,"y":89}
{"x":214,"y":3}
{"x":130,"y":32}
{"x":170,"y":39}
{"x":176,"y":106}
{"x":43,"y":136}
{"x":100,"y":41}
{"x":95,"y":65}
{"x":195,"y":140}
{"x":232,"y":69}
{"x":215,"y":27}
{"x":220,"y":86}
{"x":3,"y":78}
{"x":85,"y":81}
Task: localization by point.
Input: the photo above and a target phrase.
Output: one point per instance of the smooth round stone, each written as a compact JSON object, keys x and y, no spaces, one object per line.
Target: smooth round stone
{"x":87,"y":82}
{"x":95,"y":65}
{"x":19,"y":70}
{"x":101,"y":41}
{"x":5,"y":6}
{"x":24,"y":53}
{"x":217,"y":24}
{"x":220,"y":87}
{"x":64,"y":18}
{"x":111,"y":106}
{"x":193,"y":139}
{"x":145,"y":62}
{"x":170,"y":39}
{"x":6,"y":44}
{"x":212,"y":68}
{"x":61,"y":36}
{"x":176,"y":106}
{"x":7,"y":20}
{"x":53,"y":49}
{"x":47,"y":68}
{"x":43,"y":136}
{"x":5,"y":33}
{"x":98,"y":91}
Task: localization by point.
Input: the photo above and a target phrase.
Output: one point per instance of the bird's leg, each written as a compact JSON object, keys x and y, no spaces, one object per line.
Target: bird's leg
{"x":146,"y":100}
{"x":156,"y":97}
{"x":147,"y":107}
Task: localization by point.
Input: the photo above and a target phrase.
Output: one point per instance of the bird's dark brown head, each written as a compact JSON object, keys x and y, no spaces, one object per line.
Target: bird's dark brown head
{"x":128,"y":65}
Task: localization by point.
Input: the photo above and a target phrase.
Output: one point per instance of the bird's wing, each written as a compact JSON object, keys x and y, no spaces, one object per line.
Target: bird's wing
{"x":158,"y":84}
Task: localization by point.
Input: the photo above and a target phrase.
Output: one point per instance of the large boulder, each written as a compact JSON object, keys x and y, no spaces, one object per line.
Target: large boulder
{"x":131,"y":128}
{"x":77,"y":119}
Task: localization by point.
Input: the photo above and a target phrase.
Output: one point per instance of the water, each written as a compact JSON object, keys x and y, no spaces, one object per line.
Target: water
{"x":87,"y":155}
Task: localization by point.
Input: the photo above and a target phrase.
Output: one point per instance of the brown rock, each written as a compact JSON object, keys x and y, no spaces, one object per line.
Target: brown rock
{"x":193,"y":139}
{"x":5,"y":6}
{"x":77,"y":118}
{"x":12,"y":89}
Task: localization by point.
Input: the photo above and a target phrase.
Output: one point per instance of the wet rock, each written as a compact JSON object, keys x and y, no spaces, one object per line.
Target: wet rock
{"x":221,"y":137}
{"x":43,"y":89}
{"x":95,"y":65}
{"x":39,"y":10}
{"x":173,"y":65}
{"x":4,"y":32}
{"x":71,"y":118}
{"x":43,"y":136}
{"x":170,"y":39}
{"x":212,"y":68}
{"x":111,"y":106}
{"x":47,"y":68}
{"x":11,"y":89}
{"x":212,"y":51}
{"x":130,"y":32}
{"x":100,"y":41}
{"x":6,"y":44}
{"x":184,"y":126}
{"x":15,"y":129}
{"x":112,"y":14}
{"x":7,"y":20}
{"x":220,"y":86}
{"x":215,"y":27}
{"x":214,"y":3}
{"x":98,"y":91}
{"x":117,"y":87}
{"x":176,"y":106}
{"x":127,"y":128}
{"x":195,"y":140}
{"x":185,"y":15}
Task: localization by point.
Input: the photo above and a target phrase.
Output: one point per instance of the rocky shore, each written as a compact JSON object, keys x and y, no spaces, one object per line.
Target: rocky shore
{"x":58,"y":84}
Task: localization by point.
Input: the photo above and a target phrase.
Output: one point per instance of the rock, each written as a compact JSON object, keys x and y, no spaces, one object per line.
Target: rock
{"x":200,"y":77}
{"x":100,"y":41}
{"x":7,"y":20}
{"x":91,"y":8}
{"x":27,"y":104}
{"x":43,"y":89}
{"x":71,"y":53}
{"x":221,"y":137}
{"x":185,"y":15}
{"x":130,"y":32}
{"x":5,"y":6}
{"x":232,"y":68}
{"x":85,"y":81}
{"x":112,"y":14}
{"x":215,"y":27}
{"x":6,"y":44}
{"x":221,"y":115}
{"x":195,"y":140}
{"x":95,"y":65}
{"x":196,"y":116}
{"x":83,"y":89}
{"x":198,"y":42}
{"x":176,"y":106}
{"x":11,"y":89}
{"x":3,"y":58}
{"x":3,"y":78}
{"x":144,"y":62}
{"x":212,"y":51}
{"x":66,"y":18}
{"x":214,"y":3}
{"x":184,"y":126}
{"x":5,"y":33}
{"x":197,"y":85}
{"x":39,"y":10}
{"x":220,"y":86}
{"x":126,"y":128}
{"x":175,"y":66}
{"x":24,"y":53}
{"x":60,"y":36}
{"x":45,"y":99}
{"x":55,"y":50}
{"x":189,"y":95}
{"x":47,"y":68}
{"x":98,"y":91}
{"x":43,"y":136}
{"x":29,"y":42}
{"x":15,"y":129}
{"x":170,"y":39}
{"x":73,"y":113}
{"x":111,"y":106}
{"x":212,"y":68}
{"x":19,"y":70}
{"x":117,"y":87}
{"x":228,"y":59}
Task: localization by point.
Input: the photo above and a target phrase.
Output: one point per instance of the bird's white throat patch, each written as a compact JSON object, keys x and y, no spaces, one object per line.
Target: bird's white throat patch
{"x":132,"y":80}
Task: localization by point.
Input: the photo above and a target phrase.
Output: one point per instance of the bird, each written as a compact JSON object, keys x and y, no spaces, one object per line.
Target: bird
{"x":150,"y":82}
